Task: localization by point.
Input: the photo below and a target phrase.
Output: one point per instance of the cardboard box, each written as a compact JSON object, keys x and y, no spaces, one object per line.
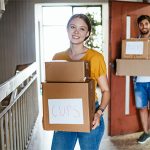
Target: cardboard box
{"x":136,"y":49}
{"x":65,"y":71}
{"x":133,"y":67}
{"x":68,"y":106}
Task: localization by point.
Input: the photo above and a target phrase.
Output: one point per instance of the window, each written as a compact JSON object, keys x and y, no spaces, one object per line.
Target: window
{"x":54,"y":23}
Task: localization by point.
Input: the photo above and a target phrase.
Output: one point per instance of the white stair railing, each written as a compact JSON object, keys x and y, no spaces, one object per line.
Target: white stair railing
{"x":18,"y":118}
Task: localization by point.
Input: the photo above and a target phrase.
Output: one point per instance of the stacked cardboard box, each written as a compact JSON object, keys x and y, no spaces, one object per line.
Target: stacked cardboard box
{"x":135,"y":58}
{"x":68,"y":96}
{"x":64,"y":71}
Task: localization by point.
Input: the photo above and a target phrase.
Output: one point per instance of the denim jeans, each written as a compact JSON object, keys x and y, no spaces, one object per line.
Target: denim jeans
{"x":142,"y":94}
{"x":88,"y":141}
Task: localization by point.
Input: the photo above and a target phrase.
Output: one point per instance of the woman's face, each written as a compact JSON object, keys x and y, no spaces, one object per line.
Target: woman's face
{"x":77,"y":31}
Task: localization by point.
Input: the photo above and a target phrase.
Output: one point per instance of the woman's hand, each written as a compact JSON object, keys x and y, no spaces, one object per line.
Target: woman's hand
{"x":96,"y":120}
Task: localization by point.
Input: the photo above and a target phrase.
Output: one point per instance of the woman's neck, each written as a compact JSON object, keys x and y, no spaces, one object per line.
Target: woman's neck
{"x":77,"y":49}
{"x":77,"y":52}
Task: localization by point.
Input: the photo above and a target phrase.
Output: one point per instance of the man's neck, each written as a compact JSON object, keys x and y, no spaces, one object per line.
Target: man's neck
{"x":145,"y":35}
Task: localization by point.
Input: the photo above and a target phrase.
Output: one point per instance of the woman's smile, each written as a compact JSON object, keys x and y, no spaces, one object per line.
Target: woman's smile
{"x":75,"y":37}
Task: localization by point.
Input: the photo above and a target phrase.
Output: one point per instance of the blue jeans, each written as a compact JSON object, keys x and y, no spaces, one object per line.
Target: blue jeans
{"x":142,"y":94}
{"x":88,"y":141}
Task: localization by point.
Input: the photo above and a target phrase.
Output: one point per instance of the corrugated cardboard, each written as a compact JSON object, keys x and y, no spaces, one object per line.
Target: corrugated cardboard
{"x":136,"y":48}
{"x":84,"y":91}
{"x":133,"y":67}
{"x":65,"y":71}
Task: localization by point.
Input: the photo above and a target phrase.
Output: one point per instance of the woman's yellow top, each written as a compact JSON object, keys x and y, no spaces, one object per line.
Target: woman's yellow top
{"x":96,"y":60}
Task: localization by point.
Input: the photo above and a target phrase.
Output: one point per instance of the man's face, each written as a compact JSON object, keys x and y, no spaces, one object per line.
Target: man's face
{"x":144,"y":27}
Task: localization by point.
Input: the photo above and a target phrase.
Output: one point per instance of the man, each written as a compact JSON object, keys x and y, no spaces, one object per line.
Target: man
{"x":142,"y":85}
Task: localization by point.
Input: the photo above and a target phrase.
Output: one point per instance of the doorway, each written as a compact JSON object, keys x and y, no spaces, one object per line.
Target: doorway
{"x":124,"y":116}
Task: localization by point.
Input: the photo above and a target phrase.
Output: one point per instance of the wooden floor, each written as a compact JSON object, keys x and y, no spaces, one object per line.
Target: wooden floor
{"x":41,"y":140}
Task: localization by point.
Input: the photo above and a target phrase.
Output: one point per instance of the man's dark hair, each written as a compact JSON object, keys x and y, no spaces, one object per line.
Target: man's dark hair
{"x":143,"y":17}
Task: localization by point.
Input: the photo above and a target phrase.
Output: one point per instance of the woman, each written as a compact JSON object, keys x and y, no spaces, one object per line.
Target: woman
{"x":79,"y":29}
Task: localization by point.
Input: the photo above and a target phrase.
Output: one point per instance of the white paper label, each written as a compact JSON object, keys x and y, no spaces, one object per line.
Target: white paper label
{"x":134,"y":47}
{"x":65,"y":111}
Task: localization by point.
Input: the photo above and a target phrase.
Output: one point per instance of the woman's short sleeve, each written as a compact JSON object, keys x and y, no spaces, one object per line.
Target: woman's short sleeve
{"x":98,"y":66}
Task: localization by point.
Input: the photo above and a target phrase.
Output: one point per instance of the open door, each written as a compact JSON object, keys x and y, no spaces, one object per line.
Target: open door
{"x":123,"y":115}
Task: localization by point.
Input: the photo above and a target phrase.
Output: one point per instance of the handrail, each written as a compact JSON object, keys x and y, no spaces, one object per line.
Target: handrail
{"x":19,"y":95}
{"x":9,"y":86}
{"x":18,"y":118}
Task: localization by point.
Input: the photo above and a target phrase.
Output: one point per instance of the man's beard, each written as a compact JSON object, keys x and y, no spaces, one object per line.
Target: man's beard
{"x":144,"y":32}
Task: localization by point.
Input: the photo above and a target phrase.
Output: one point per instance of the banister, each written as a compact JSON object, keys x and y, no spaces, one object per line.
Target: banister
{"x":9,"y":86}
{"x":18,"y":96}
